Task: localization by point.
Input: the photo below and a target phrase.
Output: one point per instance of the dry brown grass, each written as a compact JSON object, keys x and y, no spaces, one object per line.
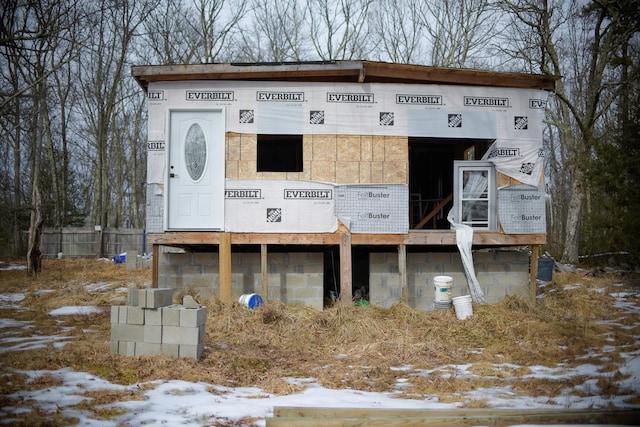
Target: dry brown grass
{"x":354,"y":347}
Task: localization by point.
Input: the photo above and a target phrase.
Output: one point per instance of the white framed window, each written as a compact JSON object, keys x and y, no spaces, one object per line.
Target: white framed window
{"x":475,"y":196}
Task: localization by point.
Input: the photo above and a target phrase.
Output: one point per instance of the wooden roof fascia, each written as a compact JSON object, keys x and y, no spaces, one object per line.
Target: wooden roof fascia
{"x":458,"y":76}
{"x":342,"y":71}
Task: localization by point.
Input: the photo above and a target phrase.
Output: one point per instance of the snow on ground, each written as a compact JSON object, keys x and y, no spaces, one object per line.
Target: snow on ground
{"x":180,"y":403}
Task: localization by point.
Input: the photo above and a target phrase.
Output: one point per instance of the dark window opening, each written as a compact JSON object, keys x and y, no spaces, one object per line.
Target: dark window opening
{"x":431,"y":177}
{"x":279,"y":153}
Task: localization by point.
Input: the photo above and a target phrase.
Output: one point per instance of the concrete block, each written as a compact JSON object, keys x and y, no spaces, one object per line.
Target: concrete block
{"x":152,"y":334}
{"x":193,"y":317}
{"x":113,"y":347}
{"x":127,"y":348}
{"x":171,"y":350}
{"x":171,"y":315}
{"x":153,"y":316}
{"x":122,"y":314}
{"x":131,"y":261}
{"x":189,"y":302}
{"x":124,"y":332}
{"x":137,"y":297}
{"x":159,"y":297}
{"x":115,"y":313}
{"x":135,"y":315}
{"x":182,"y":335}
{"x":193,"y":351}
{"x":145,"y":348}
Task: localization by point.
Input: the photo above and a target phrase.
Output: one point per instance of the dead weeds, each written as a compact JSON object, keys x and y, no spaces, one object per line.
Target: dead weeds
{"x":340,"y":347}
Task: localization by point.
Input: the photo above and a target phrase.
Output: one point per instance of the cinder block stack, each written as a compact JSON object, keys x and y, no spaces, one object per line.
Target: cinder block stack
{"x":151,"y":324}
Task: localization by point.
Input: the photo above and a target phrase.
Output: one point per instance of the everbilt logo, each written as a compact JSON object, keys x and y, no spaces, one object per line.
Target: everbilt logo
{"x":243,"y":194}
{"x":311,"y":194}
{"x":362,"y":98}
{"x":504,"y":152}
{"x":155,"y":146}
{"x":537,"y":104}
{"x":209,"y":95}
{"x":419,"y":99}
{"x":155,"y":95}
{"x":280,"y":96}
{"x":482,"y":101}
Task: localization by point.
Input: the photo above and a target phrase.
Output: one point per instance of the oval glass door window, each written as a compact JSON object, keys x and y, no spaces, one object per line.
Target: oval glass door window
{"x":195,"y":152}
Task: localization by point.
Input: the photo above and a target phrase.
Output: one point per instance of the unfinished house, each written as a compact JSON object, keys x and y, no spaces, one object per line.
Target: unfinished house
{"x":312,"y":182}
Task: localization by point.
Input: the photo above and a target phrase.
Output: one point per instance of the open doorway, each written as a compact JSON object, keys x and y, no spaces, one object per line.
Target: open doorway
{"x":359,"y":273}
{"x":431,"y":177}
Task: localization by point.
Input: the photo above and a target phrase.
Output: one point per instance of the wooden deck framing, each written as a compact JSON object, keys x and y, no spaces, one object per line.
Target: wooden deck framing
{"x":344,"y":240}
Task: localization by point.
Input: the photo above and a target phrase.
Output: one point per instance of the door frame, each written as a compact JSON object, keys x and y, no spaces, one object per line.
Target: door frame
{"x":221,"y":134}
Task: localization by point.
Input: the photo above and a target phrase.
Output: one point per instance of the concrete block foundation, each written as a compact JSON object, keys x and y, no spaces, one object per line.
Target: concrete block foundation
{"x":300,"y":277}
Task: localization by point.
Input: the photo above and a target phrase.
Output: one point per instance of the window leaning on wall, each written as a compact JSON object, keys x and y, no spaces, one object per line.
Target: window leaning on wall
{"x":279,"y":153}
{"x":475,"y":194}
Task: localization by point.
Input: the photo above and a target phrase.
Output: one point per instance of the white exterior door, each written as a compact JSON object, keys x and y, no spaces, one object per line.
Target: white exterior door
{"x":195,"y":170}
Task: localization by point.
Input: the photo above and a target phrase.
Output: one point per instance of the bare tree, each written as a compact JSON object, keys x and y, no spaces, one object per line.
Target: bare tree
{"x":166,"y":36}
{"x":276,"y":32}
{"x":399,"y":35}
{"x":459,"y":30}
{"x":557,"y":33}
{"x":102,"y":71}
{"x":339,"y":28}
{"x":216,"y":23}
{"x":37,"y":43}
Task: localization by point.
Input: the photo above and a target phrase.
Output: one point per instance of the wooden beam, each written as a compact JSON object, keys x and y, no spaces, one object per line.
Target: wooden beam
{"x":155,"y":250}
{"x":533,"y":273}
{"x":346,"y":285}
{"x":414,"y":237}
{"x":224,"y":256}
{"x":402,"y":269}
{"x":327,"y":417}
{"x":264,"y":271}
{"x":434,"y":212}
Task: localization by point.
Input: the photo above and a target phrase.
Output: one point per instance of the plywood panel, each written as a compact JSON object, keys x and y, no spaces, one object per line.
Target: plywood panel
{"x":347,"y":172}
{"x":323,"y":170}
{"x":324,"y":147}
{"x":348,"y":147}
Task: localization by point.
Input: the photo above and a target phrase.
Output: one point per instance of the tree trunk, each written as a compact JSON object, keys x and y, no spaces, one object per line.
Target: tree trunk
{"x":34,"y":255}
{"x":574,"y":213}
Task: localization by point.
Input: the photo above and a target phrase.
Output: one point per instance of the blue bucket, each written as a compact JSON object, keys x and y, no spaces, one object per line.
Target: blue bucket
{"x":120,"y":258}
{"x":251,"y":300}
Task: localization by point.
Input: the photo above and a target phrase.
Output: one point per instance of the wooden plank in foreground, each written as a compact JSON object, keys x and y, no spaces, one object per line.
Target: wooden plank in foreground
{"x":347,"y":417}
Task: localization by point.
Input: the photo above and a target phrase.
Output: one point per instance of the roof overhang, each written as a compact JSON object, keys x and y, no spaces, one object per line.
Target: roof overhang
{"x":341,"y":71}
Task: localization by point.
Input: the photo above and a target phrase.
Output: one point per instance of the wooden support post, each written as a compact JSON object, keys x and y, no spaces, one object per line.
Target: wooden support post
{"x":402,"y":269}
{"x":346,"y":286}
{"x":154,"y":265}
{"x":533,"y":272}
{"x":224,"y":255}
{"x":264,"y":271}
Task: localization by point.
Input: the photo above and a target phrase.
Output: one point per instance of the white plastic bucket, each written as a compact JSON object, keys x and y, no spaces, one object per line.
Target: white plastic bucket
{"x":442,"y":286}
{"x":250,"y":300}
{"x":463,"y":306}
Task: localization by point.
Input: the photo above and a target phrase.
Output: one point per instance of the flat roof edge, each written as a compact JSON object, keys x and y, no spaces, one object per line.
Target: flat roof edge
{"x":341,"y":71}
